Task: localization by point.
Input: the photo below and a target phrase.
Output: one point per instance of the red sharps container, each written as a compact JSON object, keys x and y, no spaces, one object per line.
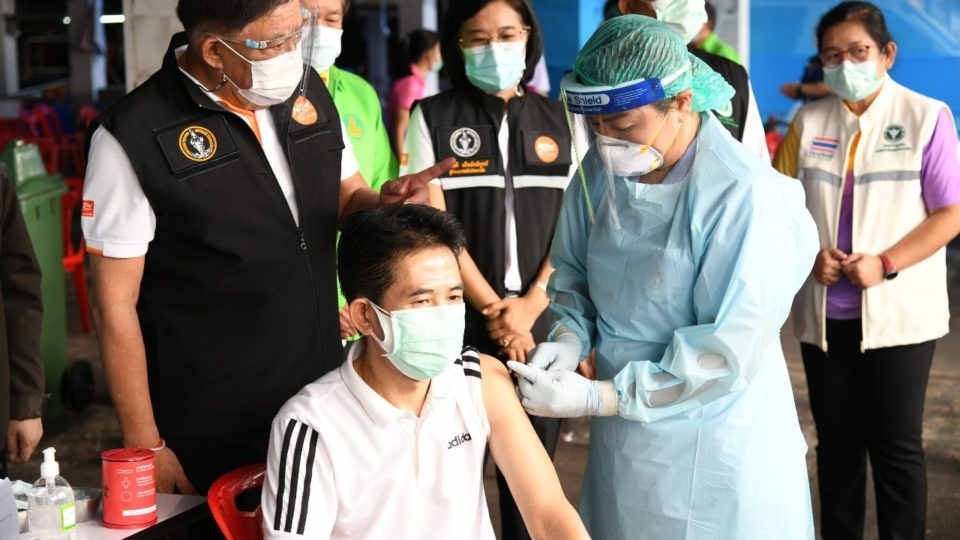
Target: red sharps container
{"x":129,"y":488}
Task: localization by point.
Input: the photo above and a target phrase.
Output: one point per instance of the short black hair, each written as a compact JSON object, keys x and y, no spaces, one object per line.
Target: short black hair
{"x":711,"y":13}
{"x":419,"y":42}
{"x":373,"y":241}
{"x":864,"y":13}
{"x":225,"y":17}
{"x":460,"y":12}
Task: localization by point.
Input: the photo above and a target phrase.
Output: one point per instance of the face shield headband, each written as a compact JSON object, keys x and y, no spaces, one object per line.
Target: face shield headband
{"x":584,"y":99}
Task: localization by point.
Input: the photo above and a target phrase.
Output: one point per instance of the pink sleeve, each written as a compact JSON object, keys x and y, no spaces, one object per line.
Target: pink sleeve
{"x":940,"y":168}
{"x":406,"y":91}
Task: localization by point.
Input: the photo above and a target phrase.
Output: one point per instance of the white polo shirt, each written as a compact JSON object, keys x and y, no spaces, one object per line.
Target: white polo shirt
{"x":344,"y":463}
{"x":118,"y":220}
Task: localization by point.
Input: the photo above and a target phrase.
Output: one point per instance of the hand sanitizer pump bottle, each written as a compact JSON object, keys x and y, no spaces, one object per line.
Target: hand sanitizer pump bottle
{"x":51,"y":513}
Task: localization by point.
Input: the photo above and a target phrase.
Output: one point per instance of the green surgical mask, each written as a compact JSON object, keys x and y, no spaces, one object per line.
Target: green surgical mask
{"x":497,"y":66}
{"x":422,"y":342}
{"x":853,"y":82}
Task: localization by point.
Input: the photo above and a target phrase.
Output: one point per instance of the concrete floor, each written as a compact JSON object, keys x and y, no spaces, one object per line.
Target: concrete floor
{"x":83,"y":435}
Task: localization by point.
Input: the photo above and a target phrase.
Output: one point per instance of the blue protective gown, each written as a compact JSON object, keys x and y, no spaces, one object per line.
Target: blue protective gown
{"x":691,"y":291}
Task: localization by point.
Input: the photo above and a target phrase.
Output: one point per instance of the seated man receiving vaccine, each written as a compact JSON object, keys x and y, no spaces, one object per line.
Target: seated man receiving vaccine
{"x":391,"y":444}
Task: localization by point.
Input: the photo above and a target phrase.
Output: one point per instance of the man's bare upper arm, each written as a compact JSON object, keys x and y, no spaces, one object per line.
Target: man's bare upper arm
{"x":116,"y":280}
{"x":520,"y":455}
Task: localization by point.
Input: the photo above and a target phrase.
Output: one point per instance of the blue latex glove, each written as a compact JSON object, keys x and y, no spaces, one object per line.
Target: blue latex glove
{"x":563,"y":393}
{"x":561,"y":354}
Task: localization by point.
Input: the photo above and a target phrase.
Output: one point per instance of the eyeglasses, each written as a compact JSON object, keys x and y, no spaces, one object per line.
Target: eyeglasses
{"x":283,"y":43}
{"x":857,"y":54}
{"x":505,"y":35}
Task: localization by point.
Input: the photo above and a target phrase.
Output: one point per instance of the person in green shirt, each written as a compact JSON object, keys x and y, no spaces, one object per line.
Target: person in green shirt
{"x":708,"y":40}
{"x":359,"y":107}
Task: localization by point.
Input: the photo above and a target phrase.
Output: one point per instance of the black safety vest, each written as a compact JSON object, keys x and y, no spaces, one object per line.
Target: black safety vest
{"x":237,"y":303}
{"x":463,"y":123}
{"x":736,"y":76}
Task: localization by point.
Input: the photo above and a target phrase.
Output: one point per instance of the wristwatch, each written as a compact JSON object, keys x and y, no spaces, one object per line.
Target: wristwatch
{"x":890,"y":271}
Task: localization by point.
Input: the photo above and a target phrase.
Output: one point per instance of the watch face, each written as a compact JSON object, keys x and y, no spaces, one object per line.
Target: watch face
{"x":892,"y":275}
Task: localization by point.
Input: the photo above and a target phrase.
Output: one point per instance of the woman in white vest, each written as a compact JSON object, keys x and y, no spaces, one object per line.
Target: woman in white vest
{"x":879,"y":164}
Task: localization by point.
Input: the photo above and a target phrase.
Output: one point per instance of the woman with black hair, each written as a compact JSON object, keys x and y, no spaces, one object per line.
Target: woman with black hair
{"x":879,"y":166}
{"x":513,"y":152}
{"x":423,"y":56}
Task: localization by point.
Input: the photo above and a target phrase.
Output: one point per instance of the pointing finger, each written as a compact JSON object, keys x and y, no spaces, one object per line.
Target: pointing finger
{"x":425,"y":176}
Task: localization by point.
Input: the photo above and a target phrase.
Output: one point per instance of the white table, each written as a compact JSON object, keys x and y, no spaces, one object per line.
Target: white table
{"x":174,"y":513}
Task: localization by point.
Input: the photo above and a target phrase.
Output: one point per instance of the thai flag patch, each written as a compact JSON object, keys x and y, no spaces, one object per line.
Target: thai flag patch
{"x":824,"y":147}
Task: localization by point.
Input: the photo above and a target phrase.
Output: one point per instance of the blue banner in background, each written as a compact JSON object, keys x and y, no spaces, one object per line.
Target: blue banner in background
{"x":567,"y":25}
{"x":927,"y":33}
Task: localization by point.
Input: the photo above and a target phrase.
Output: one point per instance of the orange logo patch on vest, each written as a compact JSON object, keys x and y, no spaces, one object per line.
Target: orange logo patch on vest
{"x":405,"y":159}
{"x":198,"y":143}
{"x":304,"y":112}
{"x":86,"y":209}
{"x":546,"y":149}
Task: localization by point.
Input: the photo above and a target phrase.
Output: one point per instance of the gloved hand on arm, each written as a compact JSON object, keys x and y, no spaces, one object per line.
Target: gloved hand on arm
{"x":563,"y":393}
{"x":561,"y":354}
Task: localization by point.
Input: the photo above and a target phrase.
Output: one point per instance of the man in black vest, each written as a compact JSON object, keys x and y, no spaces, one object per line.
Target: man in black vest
{"x":212,"y":200}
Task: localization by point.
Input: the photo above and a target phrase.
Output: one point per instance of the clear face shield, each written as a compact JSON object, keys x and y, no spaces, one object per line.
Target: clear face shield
{"x":307,"y":42}
{"x":616,"y":132}
{"x":277,"y":65}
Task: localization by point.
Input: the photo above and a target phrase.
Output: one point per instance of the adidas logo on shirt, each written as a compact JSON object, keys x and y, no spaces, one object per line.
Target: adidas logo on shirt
{"x":458,"y":440}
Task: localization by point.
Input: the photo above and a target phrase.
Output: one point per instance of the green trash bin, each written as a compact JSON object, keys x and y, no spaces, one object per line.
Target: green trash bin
{"x":39,"y":194}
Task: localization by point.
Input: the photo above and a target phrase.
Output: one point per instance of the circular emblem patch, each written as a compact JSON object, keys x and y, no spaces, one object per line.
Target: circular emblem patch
{"x":546,"y":149}
{"x":894,"y":133}
{"x":198,"y":143}
{"x":465,"y":142}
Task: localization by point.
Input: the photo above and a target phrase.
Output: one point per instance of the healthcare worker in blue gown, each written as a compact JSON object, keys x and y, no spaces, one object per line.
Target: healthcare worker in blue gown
{"x":677,"y":257}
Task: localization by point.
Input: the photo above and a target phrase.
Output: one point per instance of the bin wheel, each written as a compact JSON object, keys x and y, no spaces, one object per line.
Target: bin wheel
{"x":77,"y":385}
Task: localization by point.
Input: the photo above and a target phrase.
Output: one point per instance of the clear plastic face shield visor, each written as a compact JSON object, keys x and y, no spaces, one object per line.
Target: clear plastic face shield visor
{"x":613,"y":144}
{"x":302,"y":39}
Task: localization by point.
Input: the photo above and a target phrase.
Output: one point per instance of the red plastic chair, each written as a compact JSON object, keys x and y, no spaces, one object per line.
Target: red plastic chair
{"x":42,"y":121}
{"x":86,"y":114}
{"x":235,"y":524}
{"x":73,"y":257}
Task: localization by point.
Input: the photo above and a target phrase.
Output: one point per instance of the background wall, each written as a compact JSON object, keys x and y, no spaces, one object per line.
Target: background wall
{"x":927,"y":33}
{"x":566,"y":26}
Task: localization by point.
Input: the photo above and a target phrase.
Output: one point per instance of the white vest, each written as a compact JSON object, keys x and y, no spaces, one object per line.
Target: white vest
{"x":887,"y":204}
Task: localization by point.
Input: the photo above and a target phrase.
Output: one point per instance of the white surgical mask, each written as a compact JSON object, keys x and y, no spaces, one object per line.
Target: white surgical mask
{"x":686,"y":17}
{"x":853,"y":82}
{"x":274,"y":80}
{"x":326,"y":47}
{"x":422,"y":342}
{"x":629,"y":159}
{"x":497,"y":66}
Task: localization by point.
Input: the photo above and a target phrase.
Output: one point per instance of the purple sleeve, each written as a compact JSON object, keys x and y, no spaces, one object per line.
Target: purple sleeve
{"x":940,"y":168}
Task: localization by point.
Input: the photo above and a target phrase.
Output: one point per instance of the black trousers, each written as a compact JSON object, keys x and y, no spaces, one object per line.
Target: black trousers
{"x":206,"y":459}
{"x":869,"y":403}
